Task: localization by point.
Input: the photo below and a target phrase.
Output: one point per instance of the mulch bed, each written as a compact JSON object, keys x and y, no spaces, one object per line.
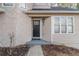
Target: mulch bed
{"x":15,"y":51}
{"x":59,"y":50}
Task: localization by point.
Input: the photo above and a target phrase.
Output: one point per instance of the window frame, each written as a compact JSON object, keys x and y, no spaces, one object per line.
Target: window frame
{"x":73,"y":29}
{"x":21,"y":5}
{"x":7,"y":6}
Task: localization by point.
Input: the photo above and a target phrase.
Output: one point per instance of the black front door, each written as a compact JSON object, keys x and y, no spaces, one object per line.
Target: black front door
{"x":36,"y":28}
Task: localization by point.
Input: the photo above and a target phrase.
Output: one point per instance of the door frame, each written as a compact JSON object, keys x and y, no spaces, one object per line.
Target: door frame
{"x":40,"y":28}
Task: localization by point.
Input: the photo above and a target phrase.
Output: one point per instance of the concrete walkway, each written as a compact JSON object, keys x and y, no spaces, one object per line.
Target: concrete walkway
{"x":35,"y":50}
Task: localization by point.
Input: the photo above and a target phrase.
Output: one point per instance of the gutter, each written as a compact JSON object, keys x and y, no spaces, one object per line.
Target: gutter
{"x":35,"y":12}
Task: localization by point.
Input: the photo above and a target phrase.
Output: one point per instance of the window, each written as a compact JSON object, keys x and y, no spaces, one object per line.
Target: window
{"x":63,"y":24}
{"x":8,"y":4}
{"x":22,"y":5}
{"x":70,"y":24}
{"x":57,"y":25}
{"x":54,"y":4}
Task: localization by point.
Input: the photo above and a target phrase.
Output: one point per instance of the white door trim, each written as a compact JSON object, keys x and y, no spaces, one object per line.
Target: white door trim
{"x":40,"y":27}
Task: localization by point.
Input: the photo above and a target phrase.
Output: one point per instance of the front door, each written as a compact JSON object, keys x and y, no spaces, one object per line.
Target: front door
{"x":36,"y":28}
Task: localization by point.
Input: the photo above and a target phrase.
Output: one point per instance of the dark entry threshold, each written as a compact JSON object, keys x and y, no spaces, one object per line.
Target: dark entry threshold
{"x":36,"y":39}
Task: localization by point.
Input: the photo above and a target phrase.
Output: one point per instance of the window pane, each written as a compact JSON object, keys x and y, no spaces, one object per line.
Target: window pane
{"x":70,"y":29}
{"x":22,"y":5}
{"x":56,"y":21}
{"x":54,"y":4}
{"x":63,"y":20}
{"x":70,"y":20}
{"x":57,"y":29}
{"x":63,"y":29}
{"x":36,"y":22}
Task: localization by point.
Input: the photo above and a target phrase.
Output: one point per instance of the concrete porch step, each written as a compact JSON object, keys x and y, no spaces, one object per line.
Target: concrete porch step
{"x":38,"y":42}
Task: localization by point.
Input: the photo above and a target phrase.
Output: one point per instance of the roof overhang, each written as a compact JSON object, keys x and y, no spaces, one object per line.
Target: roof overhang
{"x":41,"y":13}
{"x":52,"y":11}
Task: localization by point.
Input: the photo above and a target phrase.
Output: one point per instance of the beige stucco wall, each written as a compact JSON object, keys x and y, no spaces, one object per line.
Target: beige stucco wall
{"x":7,"y":25}
{"x":23,"y":28}
{"x":71,"y":40}
{"x":47,"y":29}
{"x":14,"y":20}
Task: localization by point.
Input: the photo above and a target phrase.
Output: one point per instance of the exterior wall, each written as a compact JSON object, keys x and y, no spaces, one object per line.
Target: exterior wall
{"x":23,"y":28}
{"x":25,"y":6}
{"x":71,"y":40}
{"x":47,"y":29}
{"x":16,"y":22}
{"x":7,"y":25}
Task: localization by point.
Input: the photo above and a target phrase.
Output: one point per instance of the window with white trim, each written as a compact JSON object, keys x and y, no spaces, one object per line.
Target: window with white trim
{"x":63,"y":24}
{"x":7,"y":4}
{"x":22,"y":5}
